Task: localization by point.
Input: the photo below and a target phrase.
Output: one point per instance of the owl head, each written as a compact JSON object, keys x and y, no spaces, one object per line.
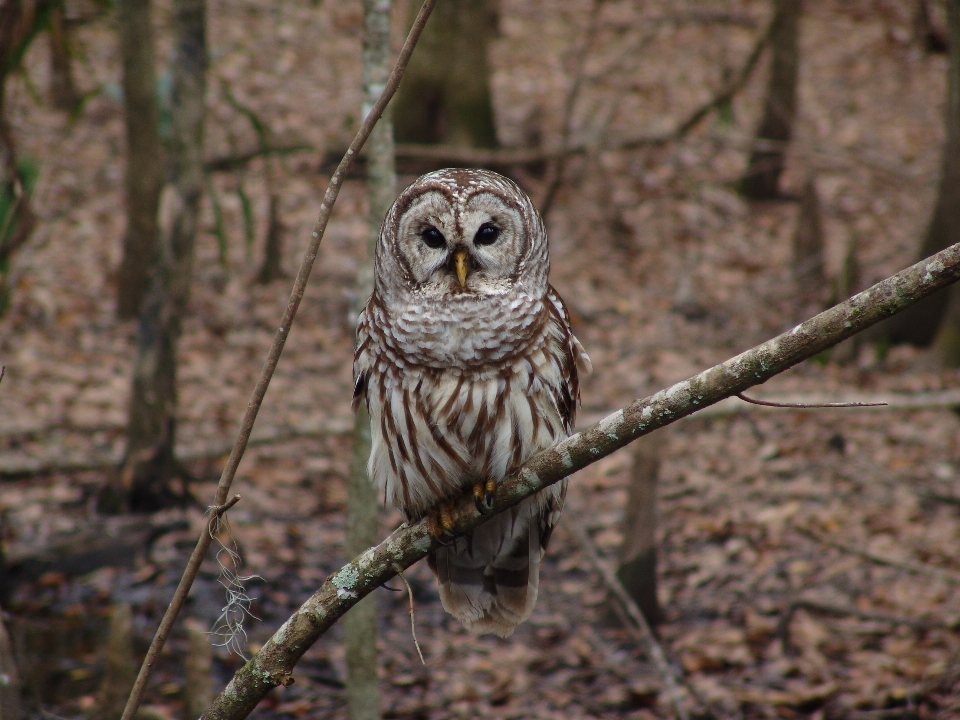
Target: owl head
{"x":460,"y":236}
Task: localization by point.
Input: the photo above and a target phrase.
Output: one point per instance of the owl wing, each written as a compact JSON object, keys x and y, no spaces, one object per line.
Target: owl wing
{"x":362,"y":360}
{"x":573,"y":362}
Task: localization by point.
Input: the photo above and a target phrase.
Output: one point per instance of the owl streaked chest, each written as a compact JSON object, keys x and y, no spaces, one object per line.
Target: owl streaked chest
{"x":459,"y":332}
{"x":440,"y":428}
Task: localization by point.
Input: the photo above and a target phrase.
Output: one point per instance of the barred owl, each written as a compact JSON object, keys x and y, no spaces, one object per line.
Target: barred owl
{"x":468,"y":367}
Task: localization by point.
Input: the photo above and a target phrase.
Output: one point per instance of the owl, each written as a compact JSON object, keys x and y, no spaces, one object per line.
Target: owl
{"x":468,"y":367}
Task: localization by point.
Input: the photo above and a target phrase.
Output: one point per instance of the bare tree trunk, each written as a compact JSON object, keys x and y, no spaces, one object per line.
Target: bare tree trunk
{"x":63,"y":91}
{"x":808,"y":247}
{"x":919,"y":324}
{"x":848,"y":285}
{"x":17,"y":23}
{"x":638,"y":554}
{"x":144,"y":174}
{"x":445,"y":95}
{"x":149,"y":466}
{"x":360,"y":632}
{"x":121,"y":666}
{"x":11,"y":707}
{"x":198,"y":691}
{"x":272,"y":268}
{"x":762,"y":177}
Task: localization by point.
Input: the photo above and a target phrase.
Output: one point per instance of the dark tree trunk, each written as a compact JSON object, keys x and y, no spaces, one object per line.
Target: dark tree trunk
{"x":150,"y":466}
{"x":919,"y":324}
{"x":762,"y":177}
{"x":638,"y":554}
{"x":63,"y":91}
{"x":17,"y":21}
{"x":145,"y":172}
{"x":445,"y":95}
{"x":808,"y":248}
{"x":272,"y":268}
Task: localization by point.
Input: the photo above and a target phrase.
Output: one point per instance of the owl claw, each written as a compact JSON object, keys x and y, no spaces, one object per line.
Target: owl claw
{"x":479,"y":498}
{"x":489,"y":490}
{"x":440,"y":522}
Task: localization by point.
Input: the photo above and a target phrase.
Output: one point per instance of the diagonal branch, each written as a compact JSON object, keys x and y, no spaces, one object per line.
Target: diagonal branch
{"x":273,"y":356}
{"x":407,"y":545}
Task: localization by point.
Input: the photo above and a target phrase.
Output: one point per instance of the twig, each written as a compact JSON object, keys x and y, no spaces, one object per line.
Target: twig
{"x":232,"y":162}
{"x":556,"y":174}
{"x":219,"y":510}
{"x":640,"y":627}
{"x":732,"y":88}
{"x":915,"y":568}
{"x":273,"y":356}
{"x":3,"y":371}
{"x":413,"y":627}
{"x":768,"y":403}
{"x":939,"y":497}
{"x":358,"y":578}
{"x":783,"y":625}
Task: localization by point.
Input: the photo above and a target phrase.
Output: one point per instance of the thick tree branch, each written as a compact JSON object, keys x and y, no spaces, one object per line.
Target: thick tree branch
{"x":407,"y":545}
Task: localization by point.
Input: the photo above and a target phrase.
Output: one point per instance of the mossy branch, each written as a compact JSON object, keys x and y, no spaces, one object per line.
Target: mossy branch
{"x":275,"y":662}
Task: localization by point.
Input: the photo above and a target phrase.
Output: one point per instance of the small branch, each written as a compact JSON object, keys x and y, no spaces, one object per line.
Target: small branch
{"x":556,"y":172}
{"x":218,"y":510}
{"x":915,"y":568}
{"x":413,"y":626}
{"x":808,"y":406}
{"x":405,"y":546}
{"x":783,"y":625}
{"x":732,"y":88}
{"x":273,"y":357}
{"x":238,"y":160}
{"x":640,"y":628}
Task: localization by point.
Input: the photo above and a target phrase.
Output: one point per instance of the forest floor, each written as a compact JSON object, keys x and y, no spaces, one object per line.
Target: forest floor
{"x":666,"y":270}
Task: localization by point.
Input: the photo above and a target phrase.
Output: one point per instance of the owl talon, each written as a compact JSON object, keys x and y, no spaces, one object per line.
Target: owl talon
{"x":440,"y":521}
{"x":478,"y":498}
{"x":489,"y":490}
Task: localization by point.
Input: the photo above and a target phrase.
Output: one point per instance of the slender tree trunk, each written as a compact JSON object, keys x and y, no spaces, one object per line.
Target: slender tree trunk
{"x":919,"y":324}
{"x":445,"y":96}
{"x":17,"y":22}
{"x":150,"y":466}
{"x":360,"y":632}
{"x":272,"y":268}
{"x":762,"y":177}
{"x":10,"y":706}
{"x":808,"y":247}
{"x":638,"y":554}
{"x":144,"y":174}
{"x":63,"y":91}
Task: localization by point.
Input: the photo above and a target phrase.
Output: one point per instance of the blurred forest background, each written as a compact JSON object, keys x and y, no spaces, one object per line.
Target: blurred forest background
{"x":712,"y":172}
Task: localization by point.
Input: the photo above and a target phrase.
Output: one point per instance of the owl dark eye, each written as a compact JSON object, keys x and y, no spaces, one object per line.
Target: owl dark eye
{"x":432,"y":238}
{"x":486,"y":235}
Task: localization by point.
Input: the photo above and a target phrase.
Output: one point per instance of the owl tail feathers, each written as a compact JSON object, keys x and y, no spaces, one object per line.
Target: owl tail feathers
{"x":489,"y":594}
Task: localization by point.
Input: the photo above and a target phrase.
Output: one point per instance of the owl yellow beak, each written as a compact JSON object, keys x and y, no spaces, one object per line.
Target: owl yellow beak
{"x":462,"y":265}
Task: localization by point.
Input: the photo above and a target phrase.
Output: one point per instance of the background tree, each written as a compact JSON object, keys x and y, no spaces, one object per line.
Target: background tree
{"x":150,"y":466}
{"x":637,"y":571}
{"x":762,"y":177}
{"x":63,"y":90}
{"x":919,"y":324}
{"x":144,"y":173}
{"x":19,"y":23}
{"x":445,"y":96}
{"x":360,"y":628}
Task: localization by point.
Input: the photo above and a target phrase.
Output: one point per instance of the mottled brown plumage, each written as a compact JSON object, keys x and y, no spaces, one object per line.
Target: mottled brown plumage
{"x":468,"y":366}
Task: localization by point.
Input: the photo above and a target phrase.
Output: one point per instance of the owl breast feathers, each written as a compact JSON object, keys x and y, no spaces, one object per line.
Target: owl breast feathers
{"x":468,"y":367}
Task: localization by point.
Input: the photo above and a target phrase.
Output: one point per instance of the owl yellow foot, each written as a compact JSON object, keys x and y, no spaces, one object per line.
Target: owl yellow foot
{"x":483,"y":495}
{"x":440,"y":520}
